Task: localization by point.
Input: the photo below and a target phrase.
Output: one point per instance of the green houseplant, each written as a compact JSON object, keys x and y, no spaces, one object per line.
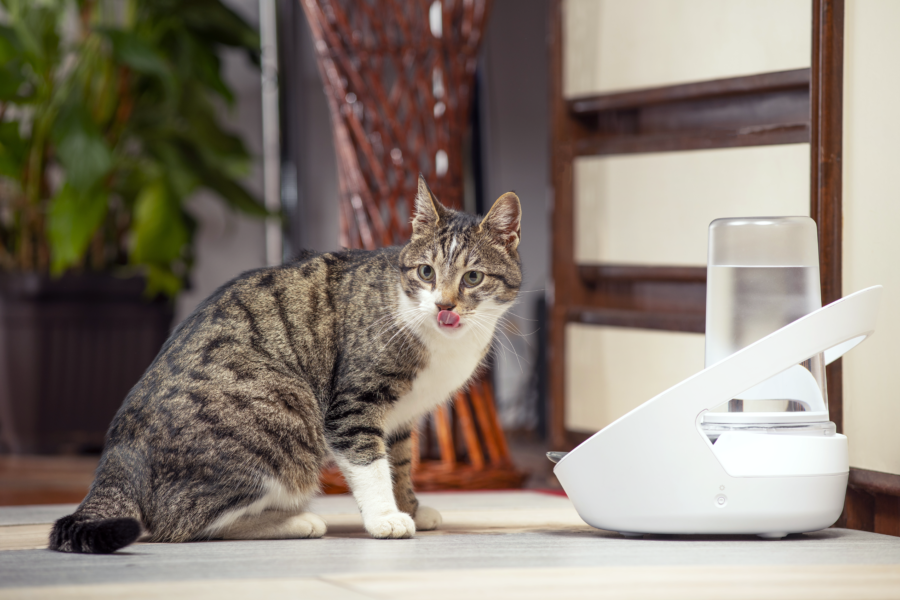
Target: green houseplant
{"x":108,"y":127}
{"x":108,"y":124}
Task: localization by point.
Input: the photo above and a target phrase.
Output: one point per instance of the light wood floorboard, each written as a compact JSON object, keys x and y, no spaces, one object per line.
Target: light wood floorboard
{"x":270,"y":589}
{"x":860,"y":582}
{"x":29,"y":537}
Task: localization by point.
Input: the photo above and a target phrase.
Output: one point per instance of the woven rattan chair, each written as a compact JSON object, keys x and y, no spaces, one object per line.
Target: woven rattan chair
{"x":398,"y":76}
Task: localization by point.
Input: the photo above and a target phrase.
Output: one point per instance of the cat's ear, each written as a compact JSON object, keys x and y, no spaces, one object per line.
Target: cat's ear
{"x":427,"y":212}
{"x":504,"y":220}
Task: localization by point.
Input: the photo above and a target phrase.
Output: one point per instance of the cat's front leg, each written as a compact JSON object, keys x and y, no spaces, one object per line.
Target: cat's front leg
{"x":400,"y":455}
{"x":361,"y":455}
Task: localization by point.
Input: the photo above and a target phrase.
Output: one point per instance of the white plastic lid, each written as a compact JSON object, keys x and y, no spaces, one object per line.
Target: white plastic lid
{"x":764,"y":241}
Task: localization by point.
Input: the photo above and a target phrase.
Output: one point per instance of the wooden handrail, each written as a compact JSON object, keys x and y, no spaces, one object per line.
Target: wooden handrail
{"x":716,"y":88}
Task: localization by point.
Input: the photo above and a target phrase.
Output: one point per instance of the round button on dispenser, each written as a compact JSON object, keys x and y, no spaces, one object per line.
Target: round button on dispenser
{"x":721,"y":500}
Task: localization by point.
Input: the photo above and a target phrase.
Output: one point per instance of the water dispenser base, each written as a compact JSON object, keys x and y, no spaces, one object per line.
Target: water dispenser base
{"x":655,"y":471}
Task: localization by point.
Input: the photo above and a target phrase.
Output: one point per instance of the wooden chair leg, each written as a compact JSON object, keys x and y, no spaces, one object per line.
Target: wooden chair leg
{"x":445,"y":436}
{"x":495,"y":421}
{"x":416,"y":450}
{"x":470,"y":434}
{"x":479,"y":401}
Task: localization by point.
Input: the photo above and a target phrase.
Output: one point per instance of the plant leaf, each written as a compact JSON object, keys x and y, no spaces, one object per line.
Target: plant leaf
{"x":219,"y":148}
{"x":216,"y":22}
{"x":135,"y":52}
{"x":9,"y":166}
{"x":231,"y":191}
{"x":73,"y":219}
{"x":8,"y":44}
{"x":11,"y":80}
{"x":13,"y":150}
{"x":159,"y":232}
{"x":162,"y":281}
{"x":208,"y":68}
{"x":81,"y":149}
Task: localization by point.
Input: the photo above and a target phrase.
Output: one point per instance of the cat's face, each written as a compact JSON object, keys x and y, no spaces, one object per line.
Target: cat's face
{"x":460,"y":273}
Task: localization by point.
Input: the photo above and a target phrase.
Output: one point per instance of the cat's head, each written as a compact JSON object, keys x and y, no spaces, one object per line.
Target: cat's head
{"x":459,"y":272}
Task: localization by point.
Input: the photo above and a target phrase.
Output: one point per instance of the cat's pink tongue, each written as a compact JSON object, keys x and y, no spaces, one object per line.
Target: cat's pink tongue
{"x":448,"y":318}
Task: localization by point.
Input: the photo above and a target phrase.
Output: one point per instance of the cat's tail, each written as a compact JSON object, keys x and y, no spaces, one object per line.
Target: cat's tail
{"x":96,"y":528}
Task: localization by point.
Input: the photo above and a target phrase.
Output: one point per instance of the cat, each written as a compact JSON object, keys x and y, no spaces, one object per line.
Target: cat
{"x":331,"y":356}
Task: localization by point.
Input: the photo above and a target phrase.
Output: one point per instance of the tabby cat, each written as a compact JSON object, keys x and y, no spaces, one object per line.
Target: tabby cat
{"x":332,"y":356}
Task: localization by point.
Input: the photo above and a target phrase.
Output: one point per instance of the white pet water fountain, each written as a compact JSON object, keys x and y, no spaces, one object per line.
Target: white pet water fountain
{"x":745,"y":446}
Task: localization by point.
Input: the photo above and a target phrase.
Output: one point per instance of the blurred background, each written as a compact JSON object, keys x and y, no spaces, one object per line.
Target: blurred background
{"x":151,"y":151}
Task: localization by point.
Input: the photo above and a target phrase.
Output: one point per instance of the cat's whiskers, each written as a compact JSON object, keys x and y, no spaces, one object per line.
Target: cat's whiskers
{"x":520,"y":316}
{"x":513,"y":328}
{"x":394,"y":314}
{"x":415,"y":325}
{"x":389,"y":317}
{"x":509,"y":324}
{"x":512,"y":346}
{"x":502,"y":316}
{"x":394,"y":319}
{"x":482,"y":323}
{"x":495,"y":345}
{"x":405,"y":326}
{"x":477,"y":324}
{"x":410,"y":320}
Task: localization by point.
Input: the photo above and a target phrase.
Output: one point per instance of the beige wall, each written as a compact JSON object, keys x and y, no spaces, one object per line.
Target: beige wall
{"x":655,"y":208}
{"x":627,"y":44}
{"x":611,"y":370}
{"x":871,"y":218}
{"x":620,"y":45}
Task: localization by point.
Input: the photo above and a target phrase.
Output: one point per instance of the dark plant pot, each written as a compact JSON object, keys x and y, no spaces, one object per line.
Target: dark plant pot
{"x":70,"y":349}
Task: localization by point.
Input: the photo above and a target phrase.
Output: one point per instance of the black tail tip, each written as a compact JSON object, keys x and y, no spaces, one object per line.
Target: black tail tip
{"x":76,"y":533}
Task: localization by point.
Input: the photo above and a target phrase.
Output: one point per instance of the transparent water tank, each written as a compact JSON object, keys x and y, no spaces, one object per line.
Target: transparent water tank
{"x":763,"y":273}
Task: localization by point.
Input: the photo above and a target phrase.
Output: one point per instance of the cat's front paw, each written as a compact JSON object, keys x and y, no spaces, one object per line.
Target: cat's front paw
{"x":427,"y":518}
{"x":393,"y":525}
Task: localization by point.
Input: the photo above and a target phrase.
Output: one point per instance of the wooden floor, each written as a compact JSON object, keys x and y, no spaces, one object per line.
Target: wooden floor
{"x":530,"y":546}
{"x":505,"y":545}
{"x":868,"y":582}
{"x":27,"y":480}
{"x":45,"y":479}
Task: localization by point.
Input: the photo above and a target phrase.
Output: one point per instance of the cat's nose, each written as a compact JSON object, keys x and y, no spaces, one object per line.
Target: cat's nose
{"x":445,"y":306}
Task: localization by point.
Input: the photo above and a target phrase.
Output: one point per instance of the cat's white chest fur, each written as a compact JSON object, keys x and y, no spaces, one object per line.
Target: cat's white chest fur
{"x":453,"y":360}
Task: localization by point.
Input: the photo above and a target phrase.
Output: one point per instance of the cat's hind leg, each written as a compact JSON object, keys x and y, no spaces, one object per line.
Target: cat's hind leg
{"x":274,"y":525}
{"x":279,"y":513}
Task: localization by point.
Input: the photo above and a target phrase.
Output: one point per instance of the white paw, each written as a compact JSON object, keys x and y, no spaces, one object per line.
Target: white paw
{"x":394,"y":525}
{"x":427,"y":518}
{"x":306,"y":525}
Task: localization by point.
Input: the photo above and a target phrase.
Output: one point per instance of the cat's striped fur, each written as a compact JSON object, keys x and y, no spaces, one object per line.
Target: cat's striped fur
{"x":333,"y":355}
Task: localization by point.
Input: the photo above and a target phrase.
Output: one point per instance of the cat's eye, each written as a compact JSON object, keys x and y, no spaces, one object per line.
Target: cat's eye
{"x":473,"y":278}
{"x":426,"y":273}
